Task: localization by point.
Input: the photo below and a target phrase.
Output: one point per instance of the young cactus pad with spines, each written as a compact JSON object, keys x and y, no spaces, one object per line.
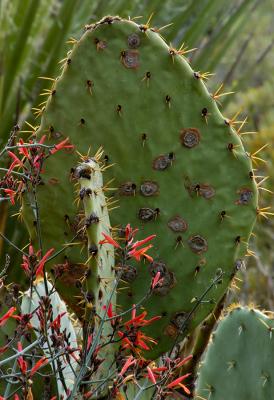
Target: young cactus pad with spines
{"x":100,"y":281}
{"x":31,"y":300}
{"x":180,"y":168}
{"x":238,"y":363}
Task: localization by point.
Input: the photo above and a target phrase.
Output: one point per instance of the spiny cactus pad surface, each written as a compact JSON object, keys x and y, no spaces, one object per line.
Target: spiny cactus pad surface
{"x":180,"y":169}
{"x":238,"y":363}
{"x":31,"y":300}
{"x":99,"y":284}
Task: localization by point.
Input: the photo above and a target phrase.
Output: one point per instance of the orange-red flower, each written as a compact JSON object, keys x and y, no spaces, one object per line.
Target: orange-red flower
{"x":108,"y":239}
{"x":178,"y":382}
{"x":40,"y":363}
{"x":20,"y":360}
{"x":62,"y":145}
{"x":137,"y":254}
{"x":11,"y":194}
{"x":139,"y":320}
{"x":7,"y":315}
{"x":130,"y":361}
{"x":30,"y":264}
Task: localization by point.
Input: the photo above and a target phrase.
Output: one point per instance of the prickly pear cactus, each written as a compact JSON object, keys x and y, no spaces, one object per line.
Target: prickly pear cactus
{"x":238,"y":363}
{"x":180,"y":169}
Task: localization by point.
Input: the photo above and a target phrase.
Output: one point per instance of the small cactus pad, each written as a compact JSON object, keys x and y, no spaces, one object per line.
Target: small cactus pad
{"x":179,"y":172}
{"x":31,"y":300}
{"x":100,"y":278}
{"x":238,"y":363}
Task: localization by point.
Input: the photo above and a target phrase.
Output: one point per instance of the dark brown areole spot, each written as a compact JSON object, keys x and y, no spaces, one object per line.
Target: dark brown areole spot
{"x":149,"y":188}
{"x":246,"y":195}
{"x":93,"y":250}
{"x":130,"y":59}
{"x":128,"y":273}
{"x":177,"y":224}
{"x":180,"y":319}
{"x":206,"y":191}
{"x":171,"y":331}
{"x":204,"y":112}
{"x":163,"y":161}
{"x":119,"y":109}
{"x":147,"y":214}
{"x":127,"y":189}
{"x":166,"y":285}
{"x":201,"y":189}
{"x":143,"y":138}
{"x":92,"y":219}
{"x":190,"y":137}
{"x":100,"y":44}
{"x":157,"y":266}
{"x":168,"y":280}
{"x":197,"y":244}
{"x":84,"y":192}
{"x":82,"y":172}
{"x":133,"y":40}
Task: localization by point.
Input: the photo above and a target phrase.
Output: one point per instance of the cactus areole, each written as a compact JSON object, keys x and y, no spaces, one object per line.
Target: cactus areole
{"x":176,"y":174}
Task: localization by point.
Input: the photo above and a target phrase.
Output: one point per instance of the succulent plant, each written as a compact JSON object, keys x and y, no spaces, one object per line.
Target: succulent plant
{"x":179,"y":168}
{"x":238,"y":361}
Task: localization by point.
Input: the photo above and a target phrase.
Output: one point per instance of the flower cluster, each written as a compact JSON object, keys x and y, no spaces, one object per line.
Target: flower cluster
{"x":27,"y":164}
{"x":133,"y":249}
{"x":34,"y":264}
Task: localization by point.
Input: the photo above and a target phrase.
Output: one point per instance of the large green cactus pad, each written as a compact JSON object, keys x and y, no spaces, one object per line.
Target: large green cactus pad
{"x":238,"y":363}
{"x":180,"y":168}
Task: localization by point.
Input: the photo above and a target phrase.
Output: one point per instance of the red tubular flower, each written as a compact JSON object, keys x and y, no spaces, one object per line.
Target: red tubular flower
{"x":89,"y":341}
{"x":6,"y":316}
{"x":156,"y":280}
{"x":17,"y":161}
{"x":11,"y":194}
{"x":62,"y":145}
{"x":20,"y":360}
{"x":151,"y":376}
{"x":130,"y":233}
{"x":141,"y":242}
{"x":139,"y":321}
{"x":130,"y":361}
{"x":108,"y":239}
{"x":178,"y":382}
{"x":109,"y":310}
{"x":16,"y":397}
{"x":43,"y":138}
{"x":23,"y":150}
{"x":137,"y":254}
{"x":184,"y":361}
{"x":40,"y":267}
{"x":56,"y":323}
{"x":135,"y":341}
{"x":40,"y":363}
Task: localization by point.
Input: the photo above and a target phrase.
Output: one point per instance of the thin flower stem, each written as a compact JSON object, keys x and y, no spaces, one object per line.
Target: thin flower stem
{"x":16,"y":173}
{"x":20,"y":353}
{"x":12,"y":244}
{"x":84,"y":367}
